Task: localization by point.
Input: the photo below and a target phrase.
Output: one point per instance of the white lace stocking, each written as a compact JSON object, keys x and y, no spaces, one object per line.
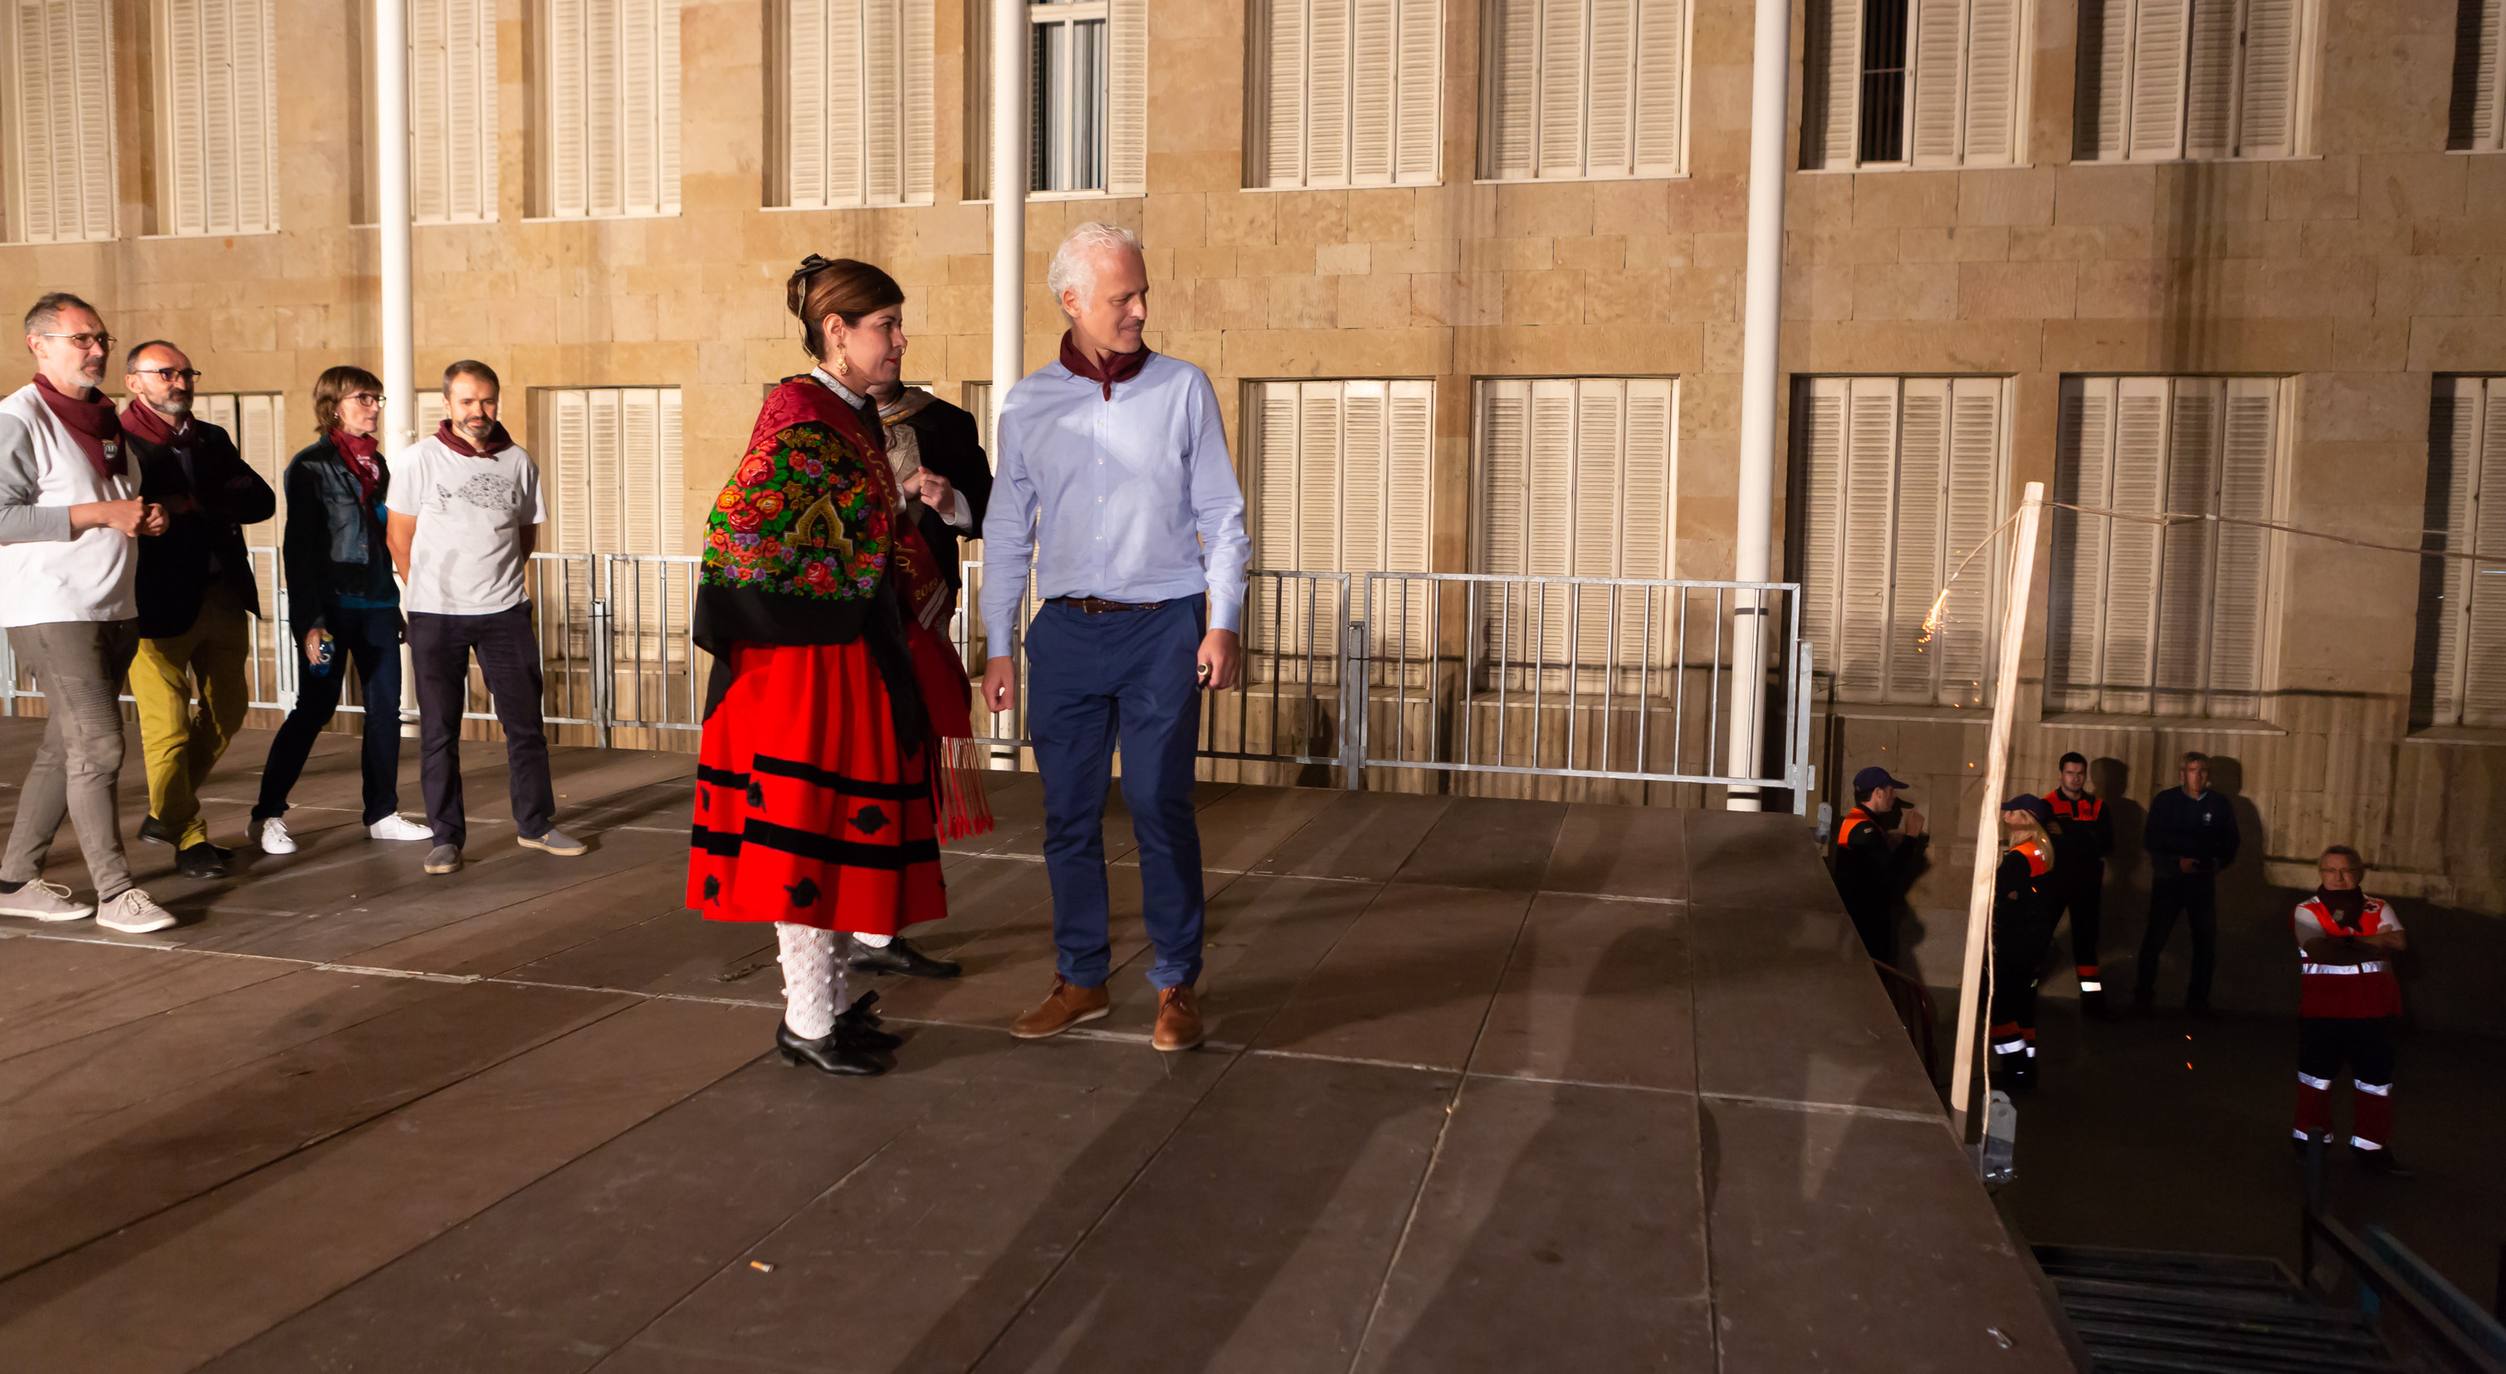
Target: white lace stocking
{"x":813,"y":979}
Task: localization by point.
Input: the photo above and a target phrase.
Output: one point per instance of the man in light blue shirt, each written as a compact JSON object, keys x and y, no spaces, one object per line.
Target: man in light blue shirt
{"x":1114,"y":481}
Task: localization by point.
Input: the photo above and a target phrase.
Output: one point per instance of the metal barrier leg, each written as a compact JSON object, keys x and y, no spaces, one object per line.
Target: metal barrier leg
{"x":1353,"y":705}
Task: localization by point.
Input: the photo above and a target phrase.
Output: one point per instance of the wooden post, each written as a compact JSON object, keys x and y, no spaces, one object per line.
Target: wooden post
{"x":1988,"y":814}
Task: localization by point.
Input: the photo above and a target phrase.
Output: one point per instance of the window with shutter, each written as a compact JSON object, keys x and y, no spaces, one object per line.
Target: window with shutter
{"x":609,"y":141}
{"x":2197,"y":79}
{"x":1896,"y":481}
{"x":1087,"y":98}
{"x":616,"y":484}
{"x":56,"y":102}
{"x":1913,"y":83}
{"x":216,"y":128}
{"x":1583,"y":89}
{"x":257,"y":422}
{"x":854,"y":109}
{"x":2460,"y":670}
{"x":452,"y":111}
{"x":1575,"y":479}
{"x":2476,"y":117}
{"x":1346,"y":93}
{"x":2161,"y":587}
{"x":1340,"y":484}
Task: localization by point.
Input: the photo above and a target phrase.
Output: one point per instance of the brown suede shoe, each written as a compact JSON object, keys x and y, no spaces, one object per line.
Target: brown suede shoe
{"x":1067,"y":1006}
{"x":1178,"y":1020}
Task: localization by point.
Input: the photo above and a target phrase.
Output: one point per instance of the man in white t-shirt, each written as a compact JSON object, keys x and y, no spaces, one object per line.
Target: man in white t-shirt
{"x":465,"y":513}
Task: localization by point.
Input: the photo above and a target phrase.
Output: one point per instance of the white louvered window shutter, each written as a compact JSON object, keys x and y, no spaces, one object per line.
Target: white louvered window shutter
{"x":1914,"y":565}
{"x":1647,"y":516}
{"x":2160,"y":33}
{"x":1503,"y":544}
{"x":2463,"y":655}
{"x":1549,"y":514}
{"x":2084,"y":439}
{"x":58,"y":159}
{"x":2202,"y":79}
{"x":452,"y":111}
{"x":1832,"y":88}
{"x":2102,"y":106}
{"x":1600,"y":448}
{"x":1409,"y":450}
{"x":2210,"y":81}
{"x":1349,"y":93}
{"x":1938,"y":58}
{"x":2476,"y":117}
{"x":1127,"y":97}
{"x":1989,"y":116}
{"x":2174,"y":621}
{"x":856,"y":103}
{"x":611,"y":74}
{"x":216,"y":119}
{"x":1320,"y":481}
{"x":1340,"y":479}
{"x":1276,"y":487}
{"x":1578,"y":89}
{"x":1900,"y":479}
{"x":1819,"y":442}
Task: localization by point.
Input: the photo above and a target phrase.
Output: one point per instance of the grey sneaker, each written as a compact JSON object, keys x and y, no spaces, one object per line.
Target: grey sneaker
{"x":133,"y":913}
{"x":443,"y":858}
{"x":42,"y":901}
{"x":554,"y":841}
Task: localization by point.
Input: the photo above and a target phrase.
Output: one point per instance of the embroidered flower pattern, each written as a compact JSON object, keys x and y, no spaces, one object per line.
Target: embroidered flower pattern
{"x":754,"y":539}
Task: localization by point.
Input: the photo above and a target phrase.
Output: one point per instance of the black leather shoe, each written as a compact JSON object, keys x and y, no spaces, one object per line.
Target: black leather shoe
{"x":203,"y":860}
{"x":858,"y":1027}
{"x":896,"y":956}
{"x":154,"y":832}
{"x":828,"y":1055}
{"x":2382,"y":1162}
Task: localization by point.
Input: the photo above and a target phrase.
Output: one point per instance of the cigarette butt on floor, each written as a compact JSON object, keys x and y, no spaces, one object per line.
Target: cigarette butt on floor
{"x":761,"y":1266}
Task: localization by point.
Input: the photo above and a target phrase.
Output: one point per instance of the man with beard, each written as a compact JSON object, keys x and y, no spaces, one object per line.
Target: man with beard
{"x":70,"y":512}
{"x":197,"y":597}
{"x":465,"y":515}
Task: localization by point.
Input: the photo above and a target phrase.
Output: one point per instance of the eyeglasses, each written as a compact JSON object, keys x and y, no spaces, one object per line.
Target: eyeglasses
{"x":168,"y":374}
{"x":367,"y":398}
{"x":83,"y":342}
{"x":2335,"y":871}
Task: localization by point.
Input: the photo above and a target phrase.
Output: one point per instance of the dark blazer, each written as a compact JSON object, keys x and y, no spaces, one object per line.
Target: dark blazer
{"x":333,"y":545}
{"x":210,"y":493}
{"x":2181,"y":827}
{"x":951,"y":447}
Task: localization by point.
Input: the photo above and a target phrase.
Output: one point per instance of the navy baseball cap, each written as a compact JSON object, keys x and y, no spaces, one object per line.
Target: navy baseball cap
{"x":2032,"y":804}
{"x":1871,"y":779}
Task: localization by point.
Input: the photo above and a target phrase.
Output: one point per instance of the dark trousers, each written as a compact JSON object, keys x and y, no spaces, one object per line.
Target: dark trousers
{"x":1093,"y":681}
{"x":1874,"y":913}
{"x":368,"y":641}
{"x":2195,"y":897}
{"x":2084,"y":898}
{"x":439,"y":651}
{"x":2365,"y":1045}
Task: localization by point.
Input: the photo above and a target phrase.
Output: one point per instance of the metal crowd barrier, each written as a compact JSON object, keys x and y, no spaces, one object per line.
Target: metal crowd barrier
{"x":1625,"y":680}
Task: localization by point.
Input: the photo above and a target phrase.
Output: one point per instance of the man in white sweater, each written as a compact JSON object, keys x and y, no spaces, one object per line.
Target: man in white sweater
{"x":69,"y":511}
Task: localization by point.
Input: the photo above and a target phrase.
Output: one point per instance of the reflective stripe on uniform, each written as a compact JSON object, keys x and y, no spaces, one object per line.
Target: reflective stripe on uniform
{"x":2091,"y":985}
{"x":2009,"y":1046}
{"x":2372,"y":1089}
{"x":2340,"y":970}
{"x":2360,"y":1142}
{"x":2319,"y":1084}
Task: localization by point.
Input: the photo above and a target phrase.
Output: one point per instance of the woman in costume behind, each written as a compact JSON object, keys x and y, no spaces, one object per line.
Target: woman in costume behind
{"x":819,"y":779}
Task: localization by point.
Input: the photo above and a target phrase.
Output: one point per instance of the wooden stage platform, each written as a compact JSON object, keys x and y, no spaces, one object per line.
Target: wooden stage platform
{"x":1493,"y":1085}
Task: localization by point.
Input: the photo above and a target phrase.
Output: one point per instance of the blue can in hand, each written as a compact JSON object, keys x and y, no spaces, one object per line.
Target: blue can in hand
{"x":322,"y":656}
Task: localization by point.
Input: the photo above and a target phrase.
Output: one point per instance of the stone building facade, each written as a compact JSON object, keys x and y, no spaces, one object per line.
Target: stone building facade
{"x":2360,"y":271}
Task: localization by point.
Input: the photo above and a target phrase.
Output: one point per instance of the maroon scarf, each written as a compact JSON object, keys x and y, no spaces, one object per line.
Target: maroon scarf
{"x":363,"y":455}
{"x":1122,"y":367}
{"x":497,"y":440}
{"x":2347,"y":905}
{"x":91,"y":422}
{"x":141,"y":421}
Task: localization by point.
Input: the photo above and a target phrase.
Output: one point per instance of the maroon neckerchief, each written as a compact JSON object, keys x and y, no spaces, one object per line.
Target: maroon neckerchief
{"x":497,"y":440}
{"x":141,"y":421}
{"x":91,"y":422}
{"x":363,"y":455}
{"x":1122,"y":367}
{"x":2347,"y":905}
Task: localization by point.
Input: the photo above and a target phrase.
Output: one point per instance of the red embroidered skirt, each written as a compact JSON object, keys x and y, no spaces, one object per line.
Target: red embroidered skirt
{"x":808,"y":809}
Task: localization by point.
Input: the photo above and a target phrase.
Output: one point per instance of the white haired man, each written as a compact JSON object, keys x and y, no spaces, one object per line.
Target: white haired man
{"x":1114,"y":479}
{"x":70,"y":513}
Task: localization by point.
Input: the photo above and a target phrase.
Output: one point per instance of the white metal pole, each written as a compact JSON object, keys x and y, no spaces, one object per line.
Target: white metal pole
{"x":391,"y":161}
{"x":1988,"y":813}
{"x":1770,"y":71}
{"x":1009,"y":196}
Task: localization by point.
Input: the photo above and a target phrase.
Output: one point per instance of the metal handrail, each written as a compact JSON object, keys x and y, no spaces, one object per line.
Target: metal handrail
{"x":2406,"y":1294}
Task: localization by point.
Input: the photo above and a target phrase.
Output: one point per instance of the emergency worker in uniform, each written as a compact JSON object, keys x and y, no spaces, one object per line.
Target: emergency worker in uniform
{"x":1879,"y":848}
{"x":2083,"y":837}
{"x":2349,"y":1005}
{"x":2025,"y":905}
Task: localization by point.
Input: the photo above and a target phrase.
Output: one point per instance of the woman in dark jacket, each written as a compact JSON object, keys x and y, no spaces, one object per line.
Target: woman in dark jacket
{"x":343,"y":605}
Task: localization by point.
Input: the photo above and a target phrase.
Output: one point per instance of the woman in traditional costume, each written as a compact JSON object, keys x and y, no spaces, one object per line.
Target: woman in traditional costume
{"x":822,"y":793}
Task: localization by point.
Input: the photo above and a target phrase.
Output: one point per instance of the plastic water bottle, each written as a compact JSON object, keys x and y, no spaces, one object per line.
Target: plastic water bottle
{"x":1999,"y":1163}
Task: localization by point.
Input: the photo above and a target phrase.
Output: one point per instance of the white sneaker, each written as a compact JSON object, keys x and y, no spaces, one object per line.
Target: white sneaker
{"x":274,"y":837}
{"x":398,"y":828}
{"x":134,"y":913}
{"x":42,"y":901}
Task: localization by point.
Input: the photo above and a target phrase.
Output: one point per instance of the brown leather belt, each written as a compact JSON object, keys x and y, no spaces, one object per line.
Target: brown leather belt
{"x":1097,"y":605}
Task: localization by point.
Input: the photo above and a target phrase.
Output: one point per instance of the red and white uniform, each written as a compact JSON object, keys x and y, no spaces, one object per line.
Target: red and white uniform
{"x":2364,"y":989}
